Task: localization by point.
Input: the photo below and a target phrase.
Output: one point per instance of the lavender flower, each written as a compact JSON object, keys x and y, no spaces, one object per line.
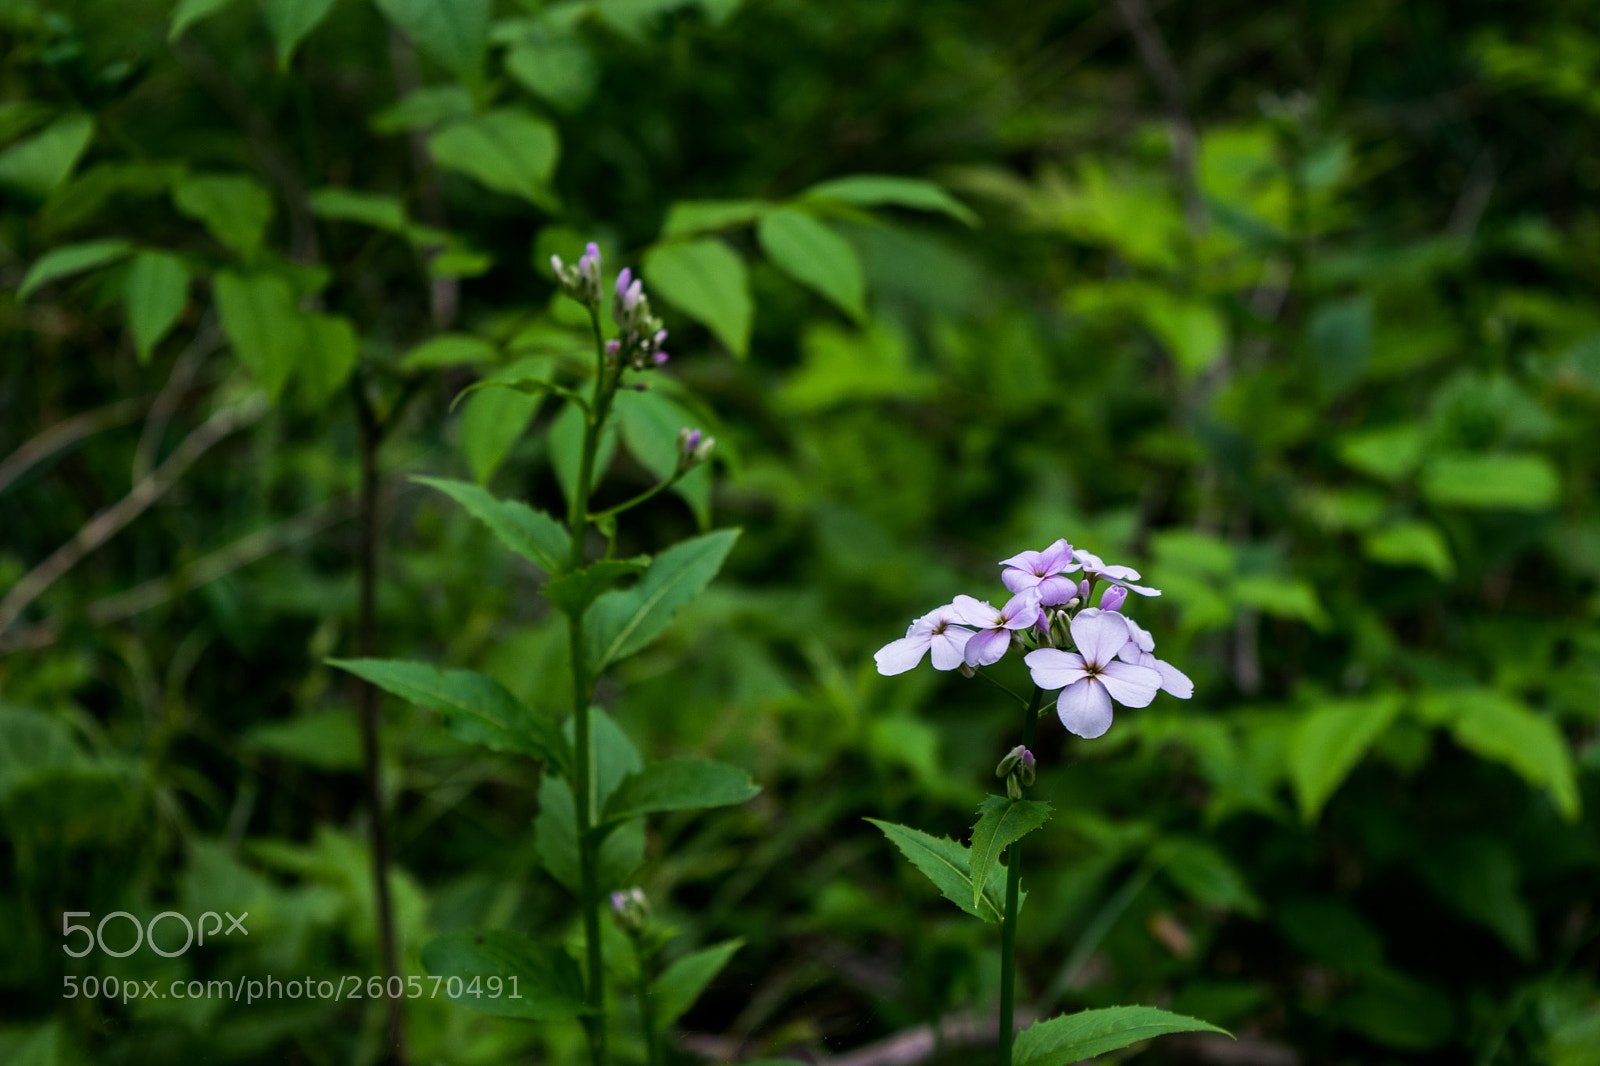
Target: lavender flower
{"x":1092,"y":677}
{"x":1043,"y":570}
{"x":1139,"y":651}
{"x":995,"y":627}
{"x":693,"y":446}
{"x":1124,"y":576}
{"x":581,"y":282}
{"x":936,"y":632}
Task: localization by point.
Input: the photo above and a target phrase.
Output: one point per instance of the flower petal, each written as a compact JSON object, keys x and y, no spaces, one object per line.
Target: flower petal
{"x":1140,"y":636}
{"x":1143,"y":590}
{"x":1022,"y":561}
{"x":1120,"y":573}
{"x":1057,"y":559}
{"x":1053,"y":668}
{"x":1017,"y":580}
{"x":949,"y":648}
{"x":1099,"y":635}
{"x":1129,"y":685}
{"x":1056,"y":590}
{"x":1113,"y":597}
{"x":1022,"y":610}
{"x":1084,"y":708}
{"x":971,"y":612}
{"x":1173,"y":680}
{"x":898,"y":656}
{"x":986,"y":648}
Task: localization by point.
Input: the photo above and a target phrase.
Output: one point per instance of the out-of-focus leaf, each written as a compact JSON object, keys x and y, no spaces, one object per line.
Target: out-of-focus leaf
{"x":1331,"y":932}
{"x":1399,"y":1012}
{"x":1498,"y":482}
{"x":840,"y":366}
{"x":815,"y":256}
{"x":449,"y":349}
{"x":1339,"y":337}
{"x":454,"y":32}
{"x":532,"y":534}
{"x":425,"y":108}
{"x":154,"y":294}
{"x":624,"y":621}
{"x":549,"y":985}
{"x":291,"y":21}
{"x":1330,"y":739}
{"x":1193,"y":330}
{"x":494,"y":419}
{"x":880,"y":190}
{"x":650,"y":423}
{"x":235,"y":208}
{"x":71,"y":259}
{"x":189,"y":12}
{"x":328,"y":356}
{"x":679,"y":785}
{"x":1284,"y":597}
{"x":1478,"y":877}
{"x":565,"y":438}
{"x":573,"y":592}
{"x":1076,"y":1037}
{"x":254,"y":309}
{"x":1205,"y":874}
{"x":330,"y":741}
{"x":706,"y":280}
{"x":681,"y":983}
{"x":353,"y":205}
{"x":41,"y":162}
{"x":1001,"y":823}
{"x":563,"y":72}
{"x":688,"y":217}
{"x":509,"y":150}
{"x":1499,"y":727}
{"x":1411,"y":544}
{"x":1387,"y":454}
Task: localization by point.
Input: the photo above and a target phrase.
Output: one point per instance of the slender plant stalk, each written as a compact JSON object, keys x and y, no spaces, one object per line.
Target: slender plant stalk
{"x":647,"y":1009}
{"x":1008,"y":928}
{"x":582,"y":692}
{"x":367,"y":705}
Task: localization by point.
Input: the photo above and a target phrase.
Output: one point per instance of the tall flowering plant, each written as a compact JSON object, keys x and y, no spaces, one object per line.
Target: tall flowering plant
{"x":1094,"y":657}
{"x":596,"y":789}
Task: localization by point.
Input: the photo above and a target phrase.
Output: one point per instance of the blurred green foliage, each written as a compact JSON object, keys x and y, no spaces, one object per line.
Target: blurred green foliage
{"x":1307,"y":333}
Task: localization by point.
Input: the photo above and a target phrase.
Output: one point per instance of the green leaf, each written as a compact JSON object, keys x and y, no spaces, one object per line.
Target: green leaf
{"x":565,"y":440}
{"x":877,"y":190}
{"x":352,"y":205}
{"x":815,"y":256}
{"x":555,"y":833}
{"x":1499,"y":727}
{"x":572,"y":593}
{"x":71,"y":259}
{"x":454,"y":32}
{"x":689,"y":217}
{"x":680,"y":984}
{"x":449,"y":349}
{"x":235,"y":208}
{"x":1193,"y":330}
{"x":1205,"y":874}
{"x":41,"y":162}
{"x":562,"y":72}
{"x":509,"y":150}
{"x":327,"y":356}
{"x":1001,"y":823}
{"x":650,"y":422}
{"x":549,"y":984}
{"x":475,"y":707}
{"x":947,"y":865}
{"x":154,"y":293}
{"x":1478,"y":877}
{"x":1411,"y":544}
{"x":1284,"y":597}
{"x":679,"y":785}
{"x":1387,"y":454}
{"x":532,"y":534}
{"x":1328,"y":742}
{"x":328,"y":741}
{"x":253,"y":309}
{"x":40,"y":1048}
{"x":290,"y":21}
{"x":1075,"y":1037}
{"x":492,"y":422}
{"x":424,"y":108}
{"x":1497,"y":482}
{"x":623,"y":621}
{"x":1339,"y":338}
{"x":706,"y":280}
{"x":191,"y":11}
{"x":1399,"y":1011}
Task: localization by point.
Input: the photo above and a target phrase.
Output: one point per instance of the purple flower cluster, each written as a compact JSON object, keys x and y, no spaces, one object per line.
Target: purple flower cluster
{"x":641,"y":333}
{"x":1111,"y":658}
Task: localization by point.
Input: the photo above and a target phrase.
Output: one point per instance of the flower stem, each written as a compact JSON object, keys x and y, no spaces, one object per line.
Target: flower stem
{"x":1008,"y":928}
{"x":582,"y":693}
{"x":647,"y":1009}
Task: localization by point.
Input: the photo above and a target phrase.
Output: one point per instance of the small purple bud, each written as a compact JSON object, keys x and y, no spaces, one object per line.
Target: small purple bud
{"x":631,"y":298}
{"x":1083,"y":591}
{"x":660,"y":358}
{"x":1025,"y":767}
{"x":660,"y":338}
{"x":619,"y":901}
{"x":623,"y":280}
{"x":613,"y":347}
{"x":557,"y":265}
{"x":1112,"y":598}
{"x":592,"y":251}
{"x":1009,"y":763}
{"x":688,"y":441}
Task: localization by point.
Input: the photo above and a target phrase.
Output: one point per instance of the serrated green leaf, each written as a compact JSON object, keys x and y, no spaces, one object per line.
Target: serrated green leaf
{"x":191,"y":11}
{"x":689,"y":217}
{"x":1492,"y":482}
{"x":877,"y":190}
{"x":815,"y":256}
{"x":947,"y":864}
{"x":1001,"y":823}
{"x":235,"y":208}
{"x":623,"y":621}
{"x":154,"y":294}
{"x":290,"y":21}
{"x":679,"y":785}
{"x":1075,"y":1037}
{"x":454,"y":32}
{"x":706,"y":280}
{"x":532,"y":534}
{"x":680,"y":984}
{"x":549,"y":985}
{"x":476,"y":708}
{"x":509,"y":150}
{"x":41,"y":162}
{"x":71,"y":259}
{"x":253,"y":309}
{"x":1328,"y":742}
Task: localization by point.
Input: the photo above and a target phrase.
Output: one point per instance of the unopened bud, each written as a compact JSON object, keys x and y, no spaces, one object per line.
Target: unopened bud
{"x":1112,"y":598}
{"x":968,"y":670}
{"x":1009,"y":763}
{"x":1025,"y":768}
{"x":1013,"y":789}
{"x":631,"y":908}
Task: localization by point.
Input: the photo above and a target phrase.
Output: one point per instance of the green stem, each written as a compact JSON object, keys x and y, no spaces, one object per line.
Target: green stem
{"x":1008,"y":928}
{"x":582,"y":693}
{"x":647,"y":1009}
{"x":629,"y":504}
